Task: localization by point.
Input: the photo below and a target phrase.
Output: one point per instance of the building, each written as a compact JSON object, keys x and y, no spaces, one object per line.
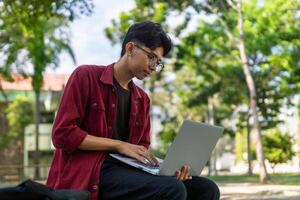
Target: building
{"x":51,"y":92}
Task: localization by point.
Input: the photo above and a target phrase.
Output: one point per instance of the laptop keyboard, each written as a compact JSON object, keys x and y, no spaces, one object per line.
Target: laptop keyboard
{"x":147,"y":165}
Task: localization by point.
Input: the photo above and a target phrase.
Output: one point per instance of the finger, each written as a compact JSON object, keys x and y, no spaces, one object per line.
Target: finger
{"x":155,"y":161}
{"x":141,"y":152}
{"x":144,"y":148}
{"x":140,"y":158}
{"x":185,"y":172}
{"x":152,"y":159}
{"x":146,"y":155}
{"x":182,"y":173}
{"x":149,"y":157}
{"x":177,"y":174}
{"x":187,"y":176}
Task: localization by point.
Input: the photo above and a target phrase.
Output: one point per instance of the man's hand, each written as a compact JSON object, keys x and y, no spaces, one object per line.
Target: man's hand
{"x":138,"y":152}
{"x":183,"y":174}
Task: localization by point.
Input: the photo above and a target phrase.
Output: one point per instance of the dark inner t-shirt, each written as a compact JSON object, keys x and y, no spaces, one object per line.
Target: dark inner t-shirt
{"x":121,"y":126}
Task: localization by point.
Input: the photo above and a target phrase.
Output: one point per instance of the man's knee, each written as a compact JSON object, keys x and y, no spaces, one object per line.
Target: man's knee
{"x":202,"y":188}
{"x":213,"y":190}
{"x":179,"y":188}
{"x":174,"y":189}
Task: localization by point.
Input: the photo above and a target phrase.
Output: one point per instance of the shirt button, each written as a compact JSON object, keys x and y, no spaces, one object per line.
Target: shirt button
{"x":113,"y":89}
{"x":109,"y":127}
{"x":137,"y":123}
{"x":95,"y":187}
{"x":113,"y":105}
{"x":133,"y":113}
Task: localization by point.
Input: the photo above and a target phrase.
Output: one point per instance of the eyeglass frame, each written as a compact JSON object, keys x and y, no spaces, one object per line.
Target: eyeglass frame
{"x":153,"y":58}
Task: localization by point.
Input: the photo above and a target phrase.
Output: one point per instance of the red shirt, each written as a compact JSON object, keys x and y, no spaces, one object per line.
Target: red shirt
{"x":88,"y":106}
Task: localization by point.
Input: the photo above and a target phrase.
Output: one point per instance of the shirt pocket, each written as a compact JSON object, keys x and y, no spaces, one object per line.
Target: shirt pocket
{"x":139,"y":122}
{"x":95,"y":122}
{"x":96,"y":105}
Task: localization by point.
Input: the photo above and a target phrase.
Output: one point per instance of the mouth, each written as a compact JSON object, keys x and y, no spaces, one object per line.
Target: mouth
{"x":145,"y":73}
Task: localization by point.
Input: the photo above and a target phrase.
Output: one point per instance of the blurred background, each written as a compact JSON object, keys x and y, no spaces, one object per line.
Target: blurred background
{"x":235,"y":63}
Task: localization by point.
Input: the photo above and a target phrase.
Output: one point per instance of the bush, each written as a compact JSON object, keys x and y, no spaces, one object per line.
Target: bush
{"x":278,"y":147}
{"x":19,"y":114}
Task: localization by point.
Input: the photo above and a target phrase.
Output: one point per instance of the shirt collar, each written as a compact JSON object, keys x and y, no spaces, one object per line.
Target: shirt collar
{"x":107,"y":78}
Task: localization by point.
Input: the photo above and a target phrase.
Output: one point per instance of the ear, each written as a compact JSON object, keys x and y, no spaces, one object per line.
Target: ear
{"x":129,"y":48}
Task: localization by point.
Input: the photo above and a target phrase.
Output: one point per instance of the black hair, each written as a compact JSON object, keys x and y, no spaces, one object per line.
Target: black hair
{"x":149,"y":34}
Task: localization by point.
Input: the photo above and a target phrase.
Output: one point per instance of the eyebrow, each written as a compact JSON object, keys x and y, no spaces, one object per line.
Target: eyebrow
{"x":159,"y":59}
{"x":151,"y":52}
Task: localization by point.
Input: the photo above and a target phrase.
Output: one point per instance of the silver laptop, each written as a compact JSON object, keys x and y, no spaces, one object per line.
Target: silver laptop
{"x":192,"y":146}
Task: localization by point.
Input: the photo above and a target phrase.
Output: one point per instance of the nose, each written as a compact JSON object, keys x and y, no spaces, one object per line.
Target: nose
{"x":152,"y":68}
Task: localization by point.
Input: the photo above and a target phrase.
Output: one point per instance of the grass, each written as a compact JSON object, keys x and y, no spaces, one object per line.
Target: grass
{"x":276,"y":179}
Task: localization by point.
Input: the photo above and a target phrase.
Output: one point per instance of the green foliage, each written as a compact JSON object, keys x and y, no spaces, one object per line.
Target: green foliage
{"x":47,"y":116}
{"x":241,"y":146}
{"x":277,"y":179}
{"x":32,"y":37}
{"x":36,"y":33}
{"x":207,"y":64}
{"x":278,"y":147}
{"x":19,"y":115}
{"x":145,"y":10}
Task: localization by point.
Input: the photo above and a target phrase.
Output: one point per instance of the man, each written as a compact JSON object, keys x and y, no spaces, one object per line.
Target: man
{"x":103,"y":111}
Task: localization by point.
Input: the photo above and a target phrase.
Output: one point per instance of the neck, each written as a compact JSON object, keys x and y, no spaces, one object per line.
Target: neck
{"x":122,"y":74}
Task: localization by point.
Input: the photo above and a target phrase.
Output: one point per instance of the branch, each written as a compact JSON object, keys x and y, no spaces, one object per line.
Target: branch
{"x":230,"y":2}
{"x":3,"y":92}
{"x":242,"y":47}
{"x":223,"y":23}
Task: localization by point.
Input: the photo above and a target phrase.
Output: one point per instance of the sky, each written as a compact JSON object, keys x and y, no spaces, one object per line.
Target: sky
{"x":88,"y":39}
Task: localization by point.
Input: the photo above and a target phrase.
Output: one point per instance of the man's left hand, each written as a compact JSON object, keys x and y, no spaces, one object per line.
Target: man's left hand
{"x":183,"y":174}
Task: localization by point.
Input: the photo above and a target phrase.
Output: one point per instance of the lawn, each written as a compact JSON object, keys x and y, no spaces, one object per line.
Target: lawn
{"x":276,"y":179}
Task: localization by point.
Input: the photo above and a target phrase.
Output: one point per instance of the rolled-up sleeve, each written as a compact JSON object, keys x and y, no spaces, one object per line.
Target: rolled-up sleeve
{"x":66,"y":133}
{"x":145,"y":140}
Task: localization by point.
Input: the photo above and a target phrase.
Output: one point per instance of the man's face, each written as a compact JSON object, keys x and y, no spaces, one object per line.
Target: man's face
{"x":143,"y":61}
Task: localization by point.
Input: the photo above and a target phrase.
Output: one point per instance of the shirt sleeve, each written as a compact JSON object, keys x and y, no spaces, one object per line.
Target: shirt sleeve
{"x":145,"y":140}
{"x":66,"y":133}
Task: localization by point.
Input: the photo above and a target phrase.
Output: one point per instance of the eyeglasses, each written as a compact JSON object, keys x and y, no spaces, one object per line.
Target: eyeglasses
{"x":154,"y":61}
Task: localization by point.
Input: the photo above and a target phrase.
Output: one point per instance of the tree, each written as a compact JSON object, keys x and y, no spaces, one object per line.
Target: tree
{"x":19,"y":114}
{"x":35,"y":34}
{"x":258,"y":37}
{"x":278,"y":147}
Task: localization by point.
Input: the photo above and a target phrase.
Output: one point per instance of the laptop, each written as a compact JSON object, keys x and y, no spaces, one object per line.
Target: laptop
{"x":192,"y":146}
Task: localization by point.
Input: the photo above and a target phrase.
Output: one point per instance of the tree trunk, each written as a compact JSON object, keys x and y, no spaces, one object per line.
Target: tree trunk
{"x":211,"y":121}
{"x":298,"y":119}
{"x":253,"y":99}
{"x":37,"y":134}
{"x":249,"y":145}
{"x":3,"y":93}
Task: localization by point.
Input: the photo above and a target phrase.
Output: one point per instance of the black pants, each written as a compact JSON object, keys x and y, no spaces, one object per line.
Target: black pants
{"x":122,"y":182}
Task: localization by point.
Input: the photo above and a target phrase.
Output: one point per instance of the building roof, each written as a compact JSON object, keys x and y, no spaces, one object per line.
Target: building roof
{"x":53,"y":82}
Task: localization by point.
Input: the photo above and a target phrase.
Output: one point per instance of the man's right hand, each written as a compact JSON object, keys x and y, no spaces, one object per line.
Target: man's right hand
{"x":138,"y":152}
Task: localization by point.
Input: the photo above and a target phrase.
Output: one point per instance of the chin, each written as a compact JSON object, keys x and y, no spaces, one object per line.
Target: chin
{"x":140,"y":77}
